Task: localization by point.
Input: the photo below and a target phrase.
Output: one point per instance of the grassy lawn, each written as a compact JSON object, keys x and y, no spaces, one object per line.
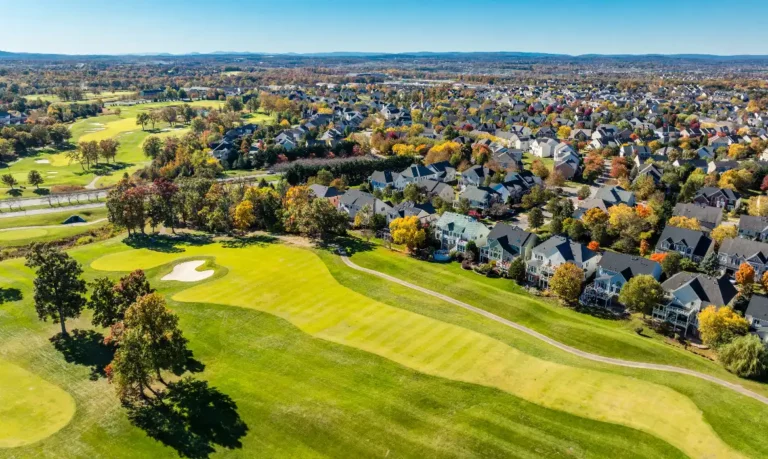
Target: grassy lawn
{"x":53,"y":218}
{"x":106,"y":96}
{"x":300,"y":393}
{"x":30,"y":407}
{"x":56,"y":168}
{"x":325,"y":309}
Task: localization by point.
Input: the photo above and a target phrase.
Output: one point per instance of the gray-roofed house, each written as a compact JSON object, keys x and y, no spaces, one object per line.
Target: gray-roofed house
{"x":414,"y":174}
{"x":690,"y":244}
{"x":717,"y":197}
{"x":326,"y":192}
{"x":733,"y":252}
{"x":613,"y":271}
{"x":687,"y":294}
{"x":479,"y":197}
{"x":425,"y":212}
{"x":382,"y":179}
{"x":444,"y":170}
{"x":757,"y":312}
{"x":650,"y":170}
{"x":605,"y":197}
{"x":475,"y":176}
{"x":454,"y":231}
{"x":440,"y":189}
{"x":353,"y":201}
{"x":555,"y":251}
{"x":709,"y":217}
{"x":751,"y":227}
{"x":505,"y":243}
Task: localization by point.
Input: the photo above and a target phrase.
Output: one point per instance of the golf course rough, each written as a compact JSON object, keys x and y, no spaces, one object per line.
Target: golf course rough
{"x":31,"y":408}
{"x":294,"y":284}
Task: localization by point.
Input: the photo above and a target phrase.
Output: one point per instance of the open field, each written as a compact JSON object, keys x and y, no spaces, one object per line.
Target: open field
{"x":56,"y":168}
{"x":106,"y":96}
{"x":352,"y":363}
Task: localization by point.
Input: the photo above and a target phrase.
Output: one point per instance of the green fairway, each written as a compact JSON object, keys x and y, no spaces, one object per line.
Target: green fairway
{"x":300,"y":396}
{"x":53,"y":218}
{"x":325,"y":309}
{"x":106,"y":96}
{"x":30,"y":407}
{"x":57,"y":169}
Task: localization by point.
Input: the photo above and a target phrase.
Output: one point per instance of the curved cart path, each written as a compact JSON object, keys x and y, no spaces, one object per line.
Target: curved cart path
{"x":557,"y":344}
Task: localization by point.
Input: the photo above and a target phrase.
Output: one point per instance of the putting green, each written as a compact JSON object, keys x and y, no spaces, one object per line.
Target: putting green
{"x":30,"y":407}
{"x":295,"y":284}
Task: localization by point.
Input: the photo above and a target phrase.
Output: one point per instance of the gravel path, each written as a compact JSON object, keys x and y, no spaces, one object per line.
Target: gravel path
{"x":559,"y":345}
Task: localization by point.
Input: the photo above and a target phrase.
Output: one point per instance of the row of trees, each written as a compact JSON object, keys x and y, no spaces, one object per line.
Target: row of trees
{"x":88,"y":153}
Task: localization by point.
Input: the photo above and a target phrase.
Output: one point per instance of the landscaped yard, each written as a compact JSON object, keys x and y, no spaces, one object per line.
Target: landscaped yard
{"x":323,"y":360}
{"x":57,"y":169}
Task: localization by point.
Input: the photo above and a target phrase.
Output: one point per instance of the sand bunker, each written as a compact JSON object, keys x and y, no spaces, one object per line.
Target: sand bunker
{"x":187,"y":272}
{"x":42,"y":161}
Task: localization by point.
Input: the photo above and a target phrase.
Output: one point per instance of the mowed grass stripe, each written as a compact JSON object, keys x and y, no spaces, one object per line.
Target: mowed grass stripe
{"x":615,"y":398}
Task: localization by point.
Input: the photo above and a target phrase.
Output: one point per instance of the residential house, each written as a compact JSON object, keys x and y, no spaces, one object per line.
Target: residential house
{"x":414,"y":174}
{"x":613,"y":271}
{"x":721,"y":166}
{"x":454,"y":231}
{"x":751,"y":227}
{"x":440,"y":189}
{"x":567,"y":161}
{"x":444,"y":171}
{"x":543,"y":147}
{"x":479,"y":197}
{"x":690,"y":244}
{"x":709,"y":217}
{"x":547,"y":256}
{"x":505,"y":243}
{"x":757,"y":313}
{"x":475,"y":176}
{"x":353,"y":201}
{"x":735,"y":251}
{"x":651,"y":170}
{"x":718,"y":197}
{"x":425,"y":212}
{"x":382,"y":179}
{"x":687,"y":294}
{"x":330,"y":193}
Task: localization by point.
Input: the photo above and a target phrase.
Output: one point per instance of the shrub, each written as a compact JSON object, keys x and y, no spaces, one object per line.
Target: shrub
{"x":745,"y":356}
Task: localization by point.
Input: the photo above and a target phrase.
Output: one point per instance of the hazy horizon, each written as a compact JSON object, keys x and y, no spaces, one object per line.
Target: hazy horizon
{"x":395,"y":26}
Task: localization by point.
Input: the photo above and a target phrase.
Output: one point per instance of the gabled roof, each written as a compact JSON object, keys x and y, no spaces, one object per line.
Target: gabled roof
{"x":751,"y":223}
{"x":614,"y":195}
{"x":709,"y":191}
{"x":758,"y":307}
{"x":697,"y":240}
{"x":511,"y":236}
{"x":704,"y":214}
{"x":384,"y":176}
{"x":568,"y":249}
{"x":321,"y":191}
{"x":708,"y":290}
{"x":627,"y":265}
{"x":416,"y":170}
{"x":745,"y":248}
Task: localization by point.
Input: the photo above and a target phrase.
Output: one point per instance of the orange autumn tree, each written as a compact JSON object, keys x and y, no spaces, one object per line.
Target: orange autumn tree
{"x":594,"y":246}
{"x":658,"y":257}
{"x":745,"y":275}
{"x":764,"y":280}
{"x":645,"y":247}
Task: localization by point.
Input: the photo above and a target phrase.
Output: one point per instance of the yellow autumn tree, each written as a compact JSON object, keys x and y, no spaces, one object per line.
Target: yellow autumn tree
{"x":244,"y":216}
{"x":734,"y":179}
{"x":681,"y":221}
{"x":403,"y":149}
{"x":758,"y":206}
{"x":594,"y":216}
{"x":563,"y":132}
{"x":408,"y":231}
{"x":566,"y":282}
{"x":719,"y":326}
{"x":737,"y":151}
{"x":723,"y":232}
{"x":442,"y":152}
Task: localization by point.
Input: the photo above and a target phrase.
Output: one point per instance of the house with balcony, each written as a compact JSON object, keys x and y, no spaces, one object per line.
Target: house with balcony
{"x":505,"y":243}
{"x":687,"y":294}
{"x":691,"y":244}
{"x":734,"y":252}
{"x":547,"y":256}
{"x":613,"y":271}
{"x":454,"y":231}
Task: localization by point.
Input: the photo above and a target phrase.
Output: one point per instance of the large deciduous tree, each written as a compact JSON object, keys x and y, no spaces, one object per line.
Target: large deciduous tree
{"x":745,"y":356}
{"x":58,"y":287}
{"x":719,"y":326}
{"x":566,"y":282}
{"x":408,"y":231}
{"x":641,"y":294}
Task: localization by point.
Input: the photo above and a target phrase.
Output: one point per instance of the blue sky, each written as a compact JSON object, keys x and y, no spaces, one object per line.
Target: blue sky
{"x":555,"y":26}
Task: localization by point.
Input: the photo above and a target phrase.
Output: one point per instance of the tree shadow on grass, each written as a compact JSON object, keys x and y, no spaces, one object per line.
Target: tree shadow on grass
{"x":191,"y":365}
{"x":352,"y":245}
{"x":239,"y":242}
{"x":8,"y":295}
{"x":164,"y":242}
{"x":16,"y":192}
{"x":42,"y":191}
{"x":87,"y":348}
{"x":192,"y":418}
{"x":108,"y":168}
